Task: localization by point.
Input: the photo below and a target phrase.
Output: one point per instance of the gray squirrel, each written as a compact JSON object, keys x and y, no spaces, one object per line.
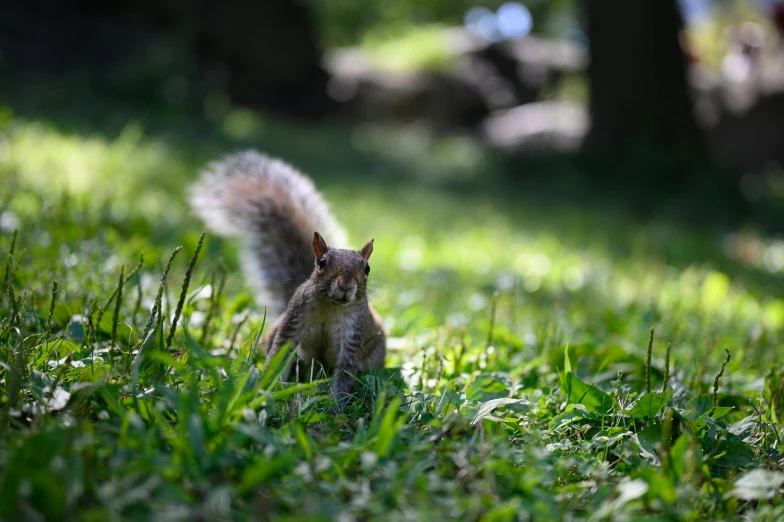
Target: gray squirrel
{"x":276,"y":211}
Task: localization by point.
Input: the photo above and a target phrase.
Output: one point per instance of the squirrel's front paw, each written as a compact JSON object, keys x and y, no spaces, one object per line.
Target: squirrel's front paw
{"x":341,"y":387}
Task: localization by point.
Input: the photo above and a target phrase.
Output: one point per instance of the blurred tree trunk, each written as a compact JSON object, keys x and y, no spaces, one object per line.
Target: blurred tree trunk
{"x":639,"y":91}
{"x":266,"y":52}
{"x":271,"y":49}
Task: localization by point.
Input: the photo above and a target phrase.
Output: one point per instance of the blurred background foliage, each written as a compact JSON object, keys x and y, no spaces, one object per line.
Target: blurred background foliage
{"x":645,"y":106}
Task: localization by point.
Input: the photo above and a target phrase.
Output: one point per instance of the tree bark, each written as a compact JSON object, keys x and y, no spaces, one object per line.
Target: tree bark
{"x":271,"y":48}
{"x":268,"y":49}
{"x":639,"y":94}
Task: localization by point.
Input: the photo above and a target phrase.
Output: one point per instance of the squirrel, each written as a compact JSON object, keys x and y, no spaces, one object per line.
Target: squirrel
{"x":276,"y":211}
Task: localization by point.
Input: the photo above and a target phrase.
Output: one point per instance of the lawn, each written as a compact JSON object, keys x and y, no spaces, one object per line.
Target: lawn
{"x":524,"y":379}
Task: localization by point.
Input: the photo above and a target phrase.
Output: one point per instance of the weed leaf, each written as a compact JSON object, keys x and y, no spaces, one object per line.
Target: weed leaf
{"x":758,"y":484}
{"x":488,"y":407}
{"x":594,"y":399}
{"x":575,"y":413}
{"x":649,"y":405}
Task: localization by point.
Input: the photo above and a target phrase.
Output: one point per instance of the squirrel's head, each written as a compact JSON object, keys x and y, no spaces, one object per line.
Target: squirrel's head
{"x":341,"y":275}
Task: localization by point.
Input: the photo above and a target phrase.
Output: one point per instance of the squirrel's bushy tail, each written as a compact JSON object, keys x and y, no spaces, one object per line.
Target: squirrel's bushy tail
{"x":275,"y":210}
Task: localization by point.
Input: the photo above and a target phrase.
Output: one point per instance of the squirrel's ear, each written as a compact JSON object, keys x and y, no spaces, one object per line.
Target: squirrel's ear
{"x":319,"y":245}
{"x":367,"y":249}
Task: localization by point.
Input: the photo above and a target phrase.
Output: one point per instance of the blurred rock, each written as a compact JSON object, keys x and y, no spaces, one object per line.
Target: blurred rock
{"x":483,"y":77}
{"x":495,"y":90}
{"x":444,"y":100}
{"x":536,"y":126}
{"x":528,"y":65}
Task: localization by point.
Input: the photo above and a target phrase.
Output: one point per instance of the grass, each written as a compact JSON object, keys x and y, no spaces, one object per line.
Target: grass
{"x":517,"y":386}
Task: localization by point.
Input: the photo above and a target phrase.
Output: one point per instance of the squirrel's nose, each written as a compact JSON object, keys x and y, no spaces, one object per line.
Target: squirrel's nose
{"x":344,"y":285}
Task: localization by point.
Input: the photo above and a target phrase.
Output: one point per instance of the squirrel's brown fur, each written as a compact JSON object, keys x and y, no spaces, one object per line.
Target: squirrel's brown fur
{"x":277,"y":212}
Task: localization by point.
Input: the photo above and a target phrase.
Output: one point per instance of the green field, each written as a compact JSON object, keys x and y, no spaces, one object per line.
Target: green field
{"x":518,"y":385}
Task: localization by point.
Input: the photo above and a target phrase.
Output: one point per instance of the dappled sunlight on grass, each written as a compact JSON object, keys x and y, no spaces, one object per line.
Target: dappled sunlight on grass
{"x":540,"y":262}
{"x":517,"y":376}
{"x":131,"y":174}
{"x":441,"y":255}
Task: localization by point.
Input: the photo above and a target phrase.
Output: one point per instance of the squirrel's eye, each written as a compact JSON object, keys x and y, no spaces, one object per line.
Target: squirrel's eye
{"x":322,"y":262}
{"x":367,"y":269}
